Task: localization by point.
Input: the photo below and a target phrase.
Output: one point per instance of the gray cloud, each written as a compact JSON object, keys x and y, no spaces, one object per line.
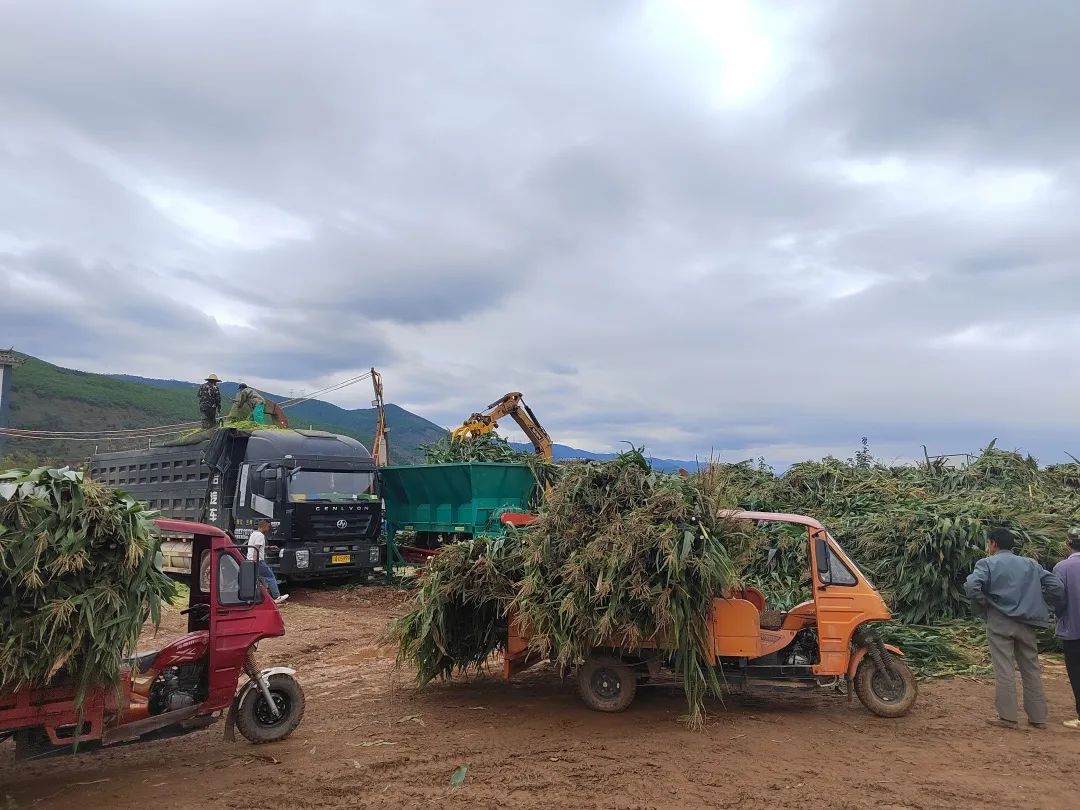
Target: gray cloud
{"x":971,"y":79}
{"x":762,"y":233}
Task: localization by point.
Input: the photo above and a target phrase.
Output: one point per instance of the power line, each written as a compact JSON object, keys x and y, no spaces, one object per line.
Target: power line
{"x":118,"y":432}
{"x":335,"y":387}
{"x":99,"y":439}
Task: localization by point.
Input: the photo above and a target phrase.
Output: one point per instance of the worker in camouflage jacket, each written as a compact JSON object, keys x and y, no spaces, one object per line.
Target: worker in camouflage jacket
{"x":210,"y":401}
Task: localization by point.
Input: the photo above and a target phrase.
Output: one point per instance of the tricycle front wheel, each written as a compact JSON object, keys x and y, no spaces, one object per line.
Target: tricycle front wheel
{"x":257,"y":722}
{"x":886,"y":694}
{"x":606,"y":684}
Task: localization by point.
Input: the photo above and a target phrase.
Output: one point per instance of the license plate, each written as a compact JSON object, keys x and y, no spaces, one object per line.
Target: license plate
{"x":340,"y":558}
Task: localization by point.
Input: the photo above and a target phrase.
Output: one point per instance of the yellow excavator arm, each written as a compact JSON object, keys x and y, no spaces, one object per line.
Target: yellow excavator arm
{"x":514,"y":406}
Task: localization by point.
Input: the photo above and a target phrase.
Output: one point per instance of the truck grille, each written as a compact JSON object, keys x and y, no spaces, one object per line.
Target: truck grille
{"x":334,"y":524}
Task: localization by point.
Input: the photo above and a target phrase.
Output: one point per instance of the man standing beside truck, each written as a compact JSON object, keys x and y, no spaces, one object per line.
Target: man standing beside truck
{"x":256,"y":550}
{"x":1014,"y":595}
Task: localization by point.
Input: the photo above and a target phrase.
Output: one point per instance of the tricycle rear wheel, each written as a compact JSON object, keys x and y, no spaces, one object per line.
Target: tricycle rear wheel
{"x":255,"y":720}
{"x":886,"y":694}
{"x":606,"y":684}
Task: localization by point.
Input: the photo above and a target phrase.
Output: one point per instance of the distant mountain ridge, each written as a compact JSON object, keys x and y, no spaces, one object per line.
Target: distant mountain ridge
{"x":48,"y":397}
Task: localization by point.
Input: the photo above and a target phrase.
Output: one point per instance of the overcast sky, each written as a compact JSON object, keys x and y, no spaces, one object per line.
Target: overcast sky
{"x":752,"y":229}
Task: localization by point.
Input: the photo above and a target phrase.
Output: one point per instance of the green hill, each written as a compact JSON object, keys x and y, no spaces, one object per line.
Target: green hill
{"x":48,"y":397}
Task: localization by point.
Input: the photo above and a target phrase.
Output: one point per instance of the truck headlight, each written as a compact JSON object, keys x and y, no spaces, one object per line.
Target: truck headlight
{"x":373,"y":554}
{"x":302,"y":558}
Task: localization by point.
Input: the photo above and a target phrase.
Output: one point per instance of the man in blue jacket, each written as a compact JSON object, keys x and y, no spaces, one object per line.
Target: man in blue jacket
{"x":1014,"y":594}
{"x":1068,"y":624}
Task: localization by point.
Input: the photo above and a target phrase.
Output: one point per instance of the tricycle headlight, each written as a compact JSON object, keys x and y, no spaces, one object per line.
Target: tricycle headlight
{"x":302,"y":558}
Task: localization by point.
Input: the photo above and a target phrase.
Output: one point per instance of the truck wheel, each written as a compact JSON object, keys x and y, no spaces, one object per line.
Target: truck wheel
{"x":886,"y":694}
{"x":258,"y":724}
{"x":606,"y":684}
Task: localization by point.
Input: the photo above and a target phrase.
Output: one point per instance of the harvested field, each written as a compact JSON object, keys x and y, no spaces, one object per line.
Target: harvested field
{"x":370,"y":740}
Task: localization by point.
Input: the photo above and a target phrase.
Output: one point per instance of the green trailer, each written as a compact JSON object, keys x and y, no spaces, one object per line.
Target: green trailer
{"x":432,"y":504}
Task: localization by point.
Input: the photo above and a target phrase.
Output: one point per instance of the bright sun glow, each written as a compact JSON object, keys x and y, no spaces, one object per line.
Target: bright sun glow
{"x":729,"y":45}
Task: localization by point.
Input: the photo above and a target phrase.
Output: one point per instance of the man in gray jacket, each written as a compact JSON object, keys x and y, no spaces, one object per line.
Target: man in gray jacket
{"x":1014,"y":595}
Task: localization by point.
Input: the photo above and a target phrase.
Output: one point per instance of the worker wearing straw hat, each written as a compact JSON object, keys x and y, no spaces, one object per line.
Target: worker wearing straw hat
{"x":209,"y":401}
{"x":1068,"y":623}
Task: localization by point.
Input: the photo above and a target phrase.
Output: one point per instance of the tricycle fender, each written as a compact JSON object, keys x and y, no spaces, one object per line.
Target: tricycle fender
{"x":241,"y":696}
{"x":860,"y":654}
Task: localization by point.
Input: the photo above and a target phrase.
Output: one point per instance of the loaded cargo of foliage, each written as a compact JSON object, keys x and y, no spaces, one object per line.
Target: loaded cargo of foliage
{"x":489,"y":447}
{"x":620,"y":553}
{"x":78,"y":577}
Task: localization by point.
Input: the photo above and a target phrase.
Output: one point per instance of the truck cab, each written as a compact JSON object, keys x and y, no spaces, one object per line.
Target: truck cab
{"x":321,"y":497}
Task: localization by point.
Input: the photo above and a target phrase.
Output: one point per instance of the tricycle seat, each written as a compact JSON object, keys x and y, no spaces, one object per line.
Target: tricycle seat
{"x":140,"y":663}
{"x":772,"y":619}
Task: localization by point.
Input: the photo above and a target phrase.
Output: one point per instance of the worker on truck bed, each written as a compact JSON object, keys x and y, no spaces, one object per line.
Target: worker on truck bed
{"x":209,"y":401}
{"x":257,"y":551}
{"x":248,"y":404}
{"x":1014,"y":594}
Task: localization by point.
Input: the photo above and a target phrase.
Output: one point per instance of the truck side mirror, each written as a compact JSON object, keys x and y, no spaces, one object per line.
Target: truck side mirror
{"x":821,"y":551}
{"x":271,"y":489}
{"x":248,"y":582}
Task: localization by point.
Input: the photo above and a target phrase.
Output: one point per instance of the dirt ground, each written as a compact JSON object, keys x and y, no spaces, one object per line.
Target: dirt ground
{"x":369,"y":739}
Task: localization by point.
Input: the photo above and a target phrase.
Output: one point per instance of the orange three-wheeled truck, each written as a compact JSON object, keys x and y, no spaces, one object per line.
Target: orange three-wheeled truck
{"x":829,"y":636}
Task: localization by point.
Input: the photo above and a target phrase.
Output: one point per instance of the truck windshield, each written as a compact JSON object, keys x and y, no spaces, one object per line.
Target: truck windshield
{"x":330,"y":485}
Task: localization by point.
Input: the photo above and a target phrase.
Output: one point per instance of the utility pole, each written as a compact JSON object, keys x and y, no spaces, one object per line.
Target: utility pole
{"x":380,"y":447}
{"x":8,"y":361}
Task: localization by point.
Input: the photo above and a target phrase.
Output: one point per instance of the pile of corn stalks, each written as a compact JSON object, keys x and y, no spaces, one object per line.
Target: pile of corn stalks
{"x":951,"y":649}
{"x":620,"y":553}
{"x":201,"y":434}
{"x":490,"y":447}
{"x":78,"y":577}
{"x":457,"y":618}
{"x":486,"y":447}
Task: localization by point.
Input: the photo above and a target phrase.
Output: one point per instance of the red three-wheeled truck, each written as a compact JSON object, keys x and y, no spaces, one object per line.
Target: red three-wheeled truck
{"x":186,"y":685}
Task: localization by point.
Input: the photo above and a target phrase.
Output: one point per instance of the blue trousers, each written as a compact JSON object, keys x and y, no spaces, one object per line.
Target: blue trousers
{"x":267,"y":576}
